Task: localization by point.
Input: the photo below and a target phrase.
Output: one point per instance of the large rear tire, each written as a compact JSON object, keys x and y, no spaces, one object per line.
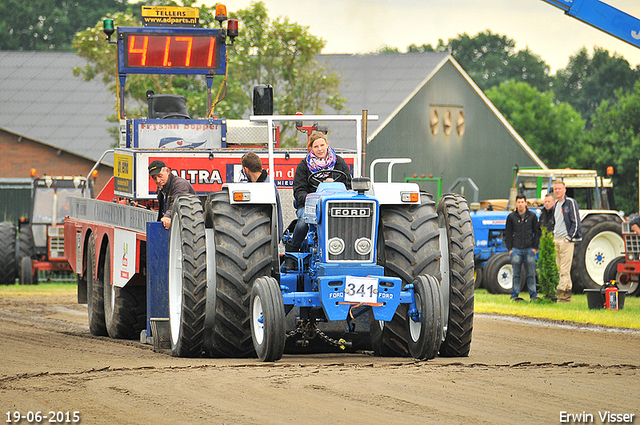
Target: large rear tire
{"x":242,"y":244}
{"x":611,"y":273}
{"x":187,"y":277}
{"x":453,"y":215}
{"x":425,"y":334}
{"x":25,"y":242}
{"x":125,"y":309}
{"x":601,"y":243}
{"x":8,"y":266}
{"x":28,"y":276}
{"x":95,"y":292}
{"x":408,"y":246}
{"x":267,"y":319}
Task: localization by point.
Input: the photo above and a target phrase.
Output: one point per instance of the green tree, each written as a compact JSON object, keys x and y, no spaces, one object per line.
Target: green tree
{"x":548,"y":276}
{"x":553,"y":129}
{"x":491,"y":59}
{"x":614,"y":140}
{"x":49,"y":24}
{"x":587,"y":81}
{"x":279,"y":53}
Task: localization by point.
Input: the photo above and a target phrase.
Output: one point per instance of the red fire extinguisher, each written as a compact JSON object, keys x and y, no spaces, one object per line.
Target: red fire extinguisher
{"x":611,"y":297}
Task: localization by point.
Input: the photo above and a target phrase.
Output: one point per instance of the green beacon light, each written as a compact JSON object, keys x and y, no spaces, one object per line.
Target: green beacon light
{"x":107,"y":27}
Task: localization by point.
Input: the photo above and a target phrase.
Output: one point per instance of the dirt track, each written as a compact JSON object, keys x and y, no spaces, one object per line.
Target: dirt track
{"x":517,"y":373}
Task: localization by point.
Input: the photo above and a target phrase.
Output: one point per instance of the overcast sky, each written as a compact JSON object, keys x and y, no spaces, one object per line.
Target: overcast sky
{"x":361,"y":26}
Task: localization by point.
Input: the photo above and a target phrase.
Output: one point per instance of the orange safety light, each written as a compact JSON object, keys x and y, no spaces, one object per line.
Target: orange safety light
{"x":422,"y":176}
{"x":430,"y":176}
{"x":94,"y":174}
{"x":415,"y":176}
{"x":221,"y":13}
{"x":609,"y":170}
{"x":33,"y":172}
{"x":415,"y":197}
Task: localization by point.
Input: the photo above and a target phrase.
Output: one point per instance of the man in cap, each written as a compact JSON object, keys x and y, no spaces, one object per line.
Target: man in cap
{"x":169,"y":187}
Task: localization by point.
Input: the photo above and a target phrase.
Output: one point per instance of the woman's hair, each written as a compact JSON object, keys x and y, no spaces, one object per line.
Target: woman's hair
{"x":315,"y":136}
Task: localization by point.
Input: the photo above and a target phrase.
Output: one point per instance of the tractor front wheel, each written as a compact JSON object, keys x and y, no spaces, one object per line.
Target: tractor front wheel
{"x":625,"y":281}
{"x":425,"y":325}
{"x":267,"y":319}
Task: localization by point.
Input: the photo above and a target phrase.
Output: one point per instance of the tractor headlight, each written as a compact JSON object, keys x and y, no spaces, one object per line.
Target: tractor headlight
{"x":336,"y":246}
{"x":363,"y":246}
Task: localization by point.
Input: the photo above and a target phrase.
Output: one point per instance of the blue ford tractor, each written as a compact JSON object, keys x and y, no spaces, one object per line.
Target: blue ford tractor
{"x":383,"y":251}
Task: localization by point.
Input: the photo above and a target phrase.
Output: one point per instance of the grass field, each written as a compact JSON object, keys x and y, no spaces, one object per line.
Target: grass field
{"x":575,"y":311}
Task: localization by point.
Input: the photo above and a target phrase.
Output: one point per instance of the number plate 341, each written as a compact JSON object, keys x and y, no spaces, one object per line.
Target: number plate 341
{"x":361,"y":289}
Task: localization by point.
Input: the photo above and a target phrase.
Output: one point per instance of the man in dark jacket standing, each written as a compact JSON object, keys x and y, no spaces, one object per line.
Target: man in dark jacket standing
{"x":522,"y":237}
{"x":567,"y":229}
{"x":169,"y":187}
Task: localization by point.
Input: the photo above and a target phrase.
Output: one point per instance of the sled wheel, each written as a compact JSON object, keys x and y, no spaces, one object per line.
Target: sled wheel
{"x":601,"y":243}
{"x":267,"y":319}
{"x":125,"y":309}
{"x":425,"y":331}
{"x":95,"y":292}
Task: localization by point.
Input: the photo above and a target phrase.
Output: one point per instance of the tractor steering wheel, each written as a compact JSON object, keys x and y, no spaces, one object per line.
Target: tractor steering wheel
{"x":314,"y":178}
{"x":177,"y":115}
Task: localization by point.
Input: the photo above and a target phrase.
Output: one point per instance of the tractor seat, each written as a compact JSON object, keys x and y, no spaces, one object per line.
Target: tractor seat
{"x":165,"y":106}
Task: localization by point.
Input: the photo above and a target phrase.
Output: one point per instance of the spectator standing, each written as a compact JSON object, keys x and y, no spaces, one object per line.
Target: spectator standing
{"x":546,"y":214}
{"x":567,"y":230}
{"x":522,"y":237}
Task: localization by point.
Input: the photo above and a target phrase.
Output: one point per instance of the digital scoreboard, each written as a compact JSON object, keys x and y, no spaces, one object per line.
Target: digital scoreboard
{"x":154,"y":50}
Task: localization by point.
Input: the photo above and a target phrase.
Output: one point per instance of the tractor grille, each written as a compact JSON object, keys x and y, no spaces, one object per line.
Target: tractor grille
{"x":631,"y":242}
{"x":352,"y":223}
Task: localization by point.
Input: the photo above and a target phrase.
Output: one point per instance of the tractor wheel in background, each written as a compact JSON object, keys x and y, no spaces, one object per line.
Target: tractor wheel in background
{"x":28,"y":276}
{"x":95,"y":292}
{"x":611,"y":273}
{"x":8,"y":266}
{"x":408,"y":246}
{"x":267,"y":319}
{"x":26,"y":247}
{"x":425,"y":335}
{"x":187,"y":277}
{"x":477,"y":277}
{"x":498,"y":276}
{"x":601,"y":243}
{"x":125,"y":309}
{"x":242,"y":252}
{"x":453,"y":215}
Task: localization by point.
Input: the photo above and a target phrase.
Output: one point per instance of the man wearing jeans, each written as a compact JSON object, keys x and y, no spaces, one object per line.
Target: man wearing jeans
{"x":522,"y":237}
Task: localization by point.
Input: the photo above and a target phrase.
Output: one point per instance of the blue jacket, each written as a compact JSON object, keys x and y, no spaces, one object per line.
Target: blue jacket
{"x":571,"y":215}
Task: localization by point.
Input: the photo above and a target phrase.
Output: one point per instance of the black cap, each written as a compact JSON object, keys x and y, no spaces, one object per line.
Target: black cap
{"x":155,"y":167}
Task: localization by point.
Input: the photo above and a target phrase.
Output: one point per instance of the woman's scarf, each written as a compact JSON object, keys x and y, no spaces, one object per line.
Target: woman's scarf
{"x":316,"y":164}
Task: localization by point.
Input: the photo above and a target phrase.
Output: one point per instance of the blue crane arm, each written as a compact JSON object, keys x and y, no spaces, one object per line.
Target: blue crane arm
{"x":603,"y":17}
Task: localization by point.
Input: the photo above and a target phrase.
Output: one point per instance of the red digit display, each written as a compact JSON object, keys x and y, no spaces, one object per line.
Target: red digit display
{"x":181,"y":51}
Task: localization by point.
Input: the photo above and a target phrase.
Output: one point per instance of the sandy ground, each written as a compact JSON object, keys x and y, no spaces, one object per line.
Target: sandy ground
{"x":517,"y":373}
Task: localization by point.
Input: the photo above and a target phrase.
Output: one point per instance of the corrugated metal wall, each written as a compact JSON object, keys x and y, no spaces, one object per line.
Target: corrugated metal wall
{"x":15,"y":199}
{"x":450,"y":132}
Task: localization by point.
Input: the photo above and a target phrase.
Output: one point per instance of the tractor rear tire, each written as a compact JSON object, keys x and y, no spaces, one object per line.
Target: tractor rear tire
{"x":8,"y":267}
{"x":242,"y":244}
{"x":95,"y":292}
{"x":125,"y":309}
{"x":498,"y":274}
{"x":611,"y":273}
{"x":187,"y":277}
{"x":425,"y":335}
{"x":601,"y":243}
{"x":453,"y":215}
{"x":25,"y":242}
{"x":267,"y":319}
{"x":408,"y":246}
{"x":28,"y":276}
